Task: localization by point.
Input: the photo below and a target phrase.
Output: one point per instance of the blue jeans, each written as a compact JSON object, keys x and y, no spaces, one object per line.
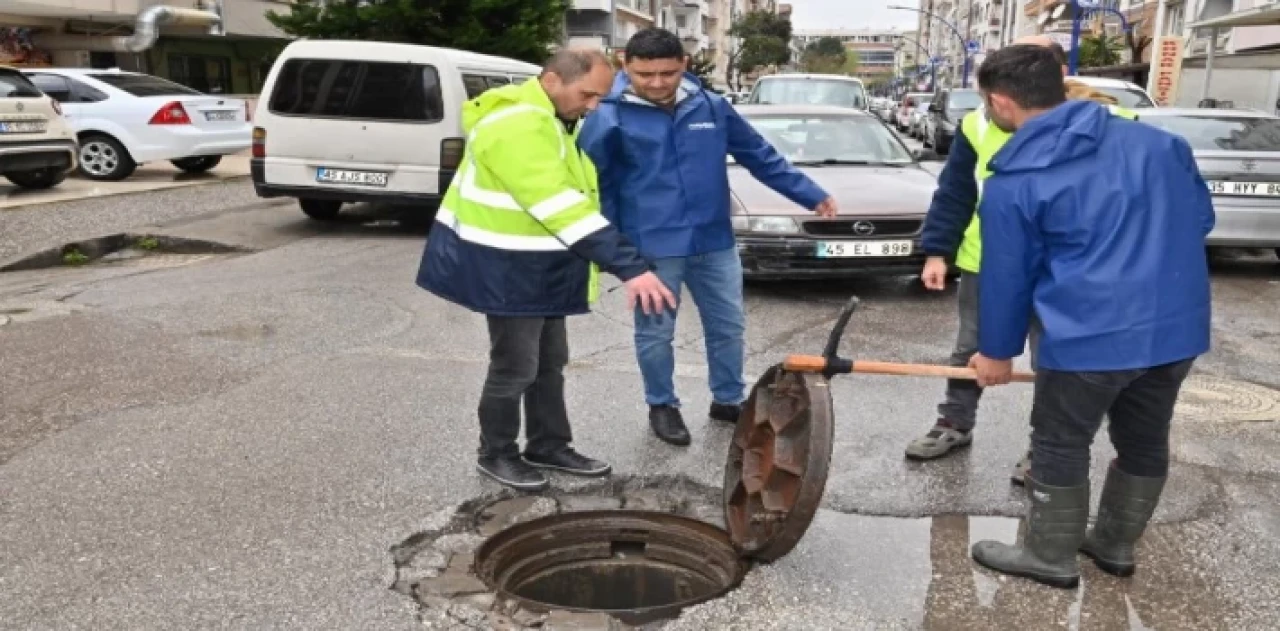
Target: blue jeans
{"x":714,"y":280}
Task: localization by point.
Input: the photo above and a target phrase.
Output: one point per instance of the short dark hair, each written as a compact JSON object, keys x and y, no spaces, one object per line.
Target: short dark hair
{"x":1026,"y":73}
{"x":1059,"y":53}
{"x":654,"y":43}
{"x":571,"y":64}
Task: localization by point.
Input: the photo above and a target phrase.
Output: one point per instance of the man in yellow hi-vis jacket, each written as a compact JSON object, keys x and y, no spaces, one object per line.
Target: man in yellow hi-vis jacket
{"x":518,"y":238}
{"x":952,"y":230}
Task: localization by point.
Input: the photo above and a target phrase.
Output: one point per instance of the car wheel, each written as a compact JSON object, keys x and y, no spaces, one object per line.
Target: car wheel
{"x":320,"y":209}
{"x":38,"y":179}
{"x":198,"y":164}
{"x":104,"y":158}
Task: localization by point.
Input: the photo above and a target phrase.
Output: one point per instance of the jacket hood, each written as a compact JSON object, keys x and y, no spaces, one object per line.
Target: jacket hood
{"x":1067,"y":132}
{"x":689,"y":86}
{"x":528,"y":93}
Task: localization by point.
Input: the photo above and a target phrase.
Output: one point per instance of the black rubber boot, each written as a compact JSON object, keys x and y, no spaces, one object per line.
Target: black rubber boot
{"x":1127,"y":504}
{"x":1056,"y":522}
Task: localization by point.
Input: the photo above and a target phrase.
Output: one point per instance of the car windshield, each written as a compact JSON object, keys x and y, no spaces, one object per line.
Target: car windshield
{"x":810,"y":92}
{"x":964,"y":100}
{"x":1222,"y":133}
{"x":14,"y":86}
{"x":831,"y":139}
{"x":144,"y":85}
{"x":1126,"y":97}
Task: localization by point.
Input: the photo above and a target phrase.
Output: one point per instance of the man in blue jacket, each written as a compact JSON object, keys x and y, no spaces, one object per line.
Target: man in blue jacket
{"x":659,"y":142}
{"x":1096,"y":225}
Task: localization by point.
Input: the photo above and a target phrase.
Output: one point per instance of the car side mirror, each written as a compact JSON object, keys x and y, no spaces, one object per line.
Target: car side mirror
{"x":926,"y":155}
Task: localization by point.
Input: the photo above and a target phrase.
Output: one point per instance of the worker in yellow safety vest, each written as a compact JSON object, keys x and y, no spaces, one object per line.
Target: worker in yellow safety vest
{"x":518,"y":237}
{"x":951,"y":232}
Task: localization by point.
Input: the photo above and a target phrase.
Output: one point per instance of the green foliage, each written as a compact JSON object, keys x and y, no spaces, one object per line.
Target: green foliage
{"x":1099,"y":51}
{"x":826,"y":55}
{"x":765,"y":41}
{"x":147,"y":243}
{"x":703,"y":66}
{"x":827,"y":47}
{"x":520,"y":29}
{"x":73,"y":256}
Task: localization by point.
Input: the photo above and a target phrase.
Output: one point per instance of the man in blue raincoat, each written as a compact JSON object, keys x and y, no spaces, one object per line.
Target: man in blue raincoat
{"x":659,"y":143}
{"x":1096,"y":225}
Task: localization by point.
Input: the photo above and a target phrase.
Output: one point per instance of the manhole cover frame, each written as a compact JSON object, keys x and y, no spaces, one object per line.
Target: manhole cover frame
{"x":591,"y":536}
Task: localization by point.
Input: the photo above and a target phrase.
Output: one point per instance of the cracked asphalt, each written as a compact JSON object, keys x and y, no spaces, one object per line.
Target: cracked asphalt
{"x":238,"y":441}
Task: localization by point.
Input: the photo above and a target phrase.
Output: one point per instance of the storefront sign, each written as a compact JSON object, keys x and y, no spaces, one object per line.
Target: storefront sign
{"x":1166,"y":71}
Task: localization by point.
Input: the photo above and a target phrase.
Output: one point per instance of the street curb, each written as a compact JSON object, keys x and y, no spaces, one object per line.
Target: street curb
{"x":98,"y":247}
{"x":192,"y":184}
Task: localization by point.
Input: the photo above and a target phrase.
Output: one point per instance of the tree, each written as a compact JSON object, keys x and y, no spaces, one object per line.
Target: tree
{"x":825,"y":55}
{"x":702,"y":66}
{"x":1099,"y":51}
{"x":764,"y":40}
{"x":520,"y":29}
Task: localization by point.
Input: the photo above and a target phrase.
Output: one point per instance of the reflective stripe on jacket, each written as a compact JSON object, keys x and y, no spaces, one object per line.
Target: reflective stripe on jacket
{"x":987,"y":139}
{"x":520,"y":226}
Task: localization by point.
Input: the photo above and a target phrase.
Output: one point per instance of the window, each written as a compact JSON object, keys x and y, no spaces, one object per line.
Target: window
{"x":1127,"y":97}
{"x":359,"y":89}
{"x":1222,"y":133}
{"x":477,"y":84}
{"x":143,"y":85}
{"x":961,"y":100}
{"x":819,"y":138}
{"x":53,"y":85}
{"x":208,"y":75}
{"x":15,"y":86}
{"x":809,"y":92}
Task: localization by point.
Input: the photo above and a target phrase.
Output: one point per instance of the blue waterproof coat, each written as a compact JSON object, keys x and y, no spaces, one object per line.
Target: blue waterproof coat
{"x":1099,"y":224}
{"x":664,"y":180}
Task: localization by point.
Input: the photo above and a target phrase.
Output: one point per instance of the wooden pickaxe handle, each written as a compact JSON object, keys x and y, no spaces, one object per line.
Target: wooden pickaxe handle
{"x":814,"y":363}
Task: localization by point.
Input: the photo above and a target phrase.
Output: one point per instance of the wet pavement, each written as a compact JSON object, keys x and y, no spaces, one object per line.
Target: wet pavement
{"x":152,"y":176}
{"x":238,"y":441}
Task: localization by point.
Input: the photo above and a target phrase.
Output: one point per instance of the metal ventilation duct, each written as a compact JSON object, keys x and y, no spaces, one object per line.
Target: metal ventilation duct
{"x":146,"y":30}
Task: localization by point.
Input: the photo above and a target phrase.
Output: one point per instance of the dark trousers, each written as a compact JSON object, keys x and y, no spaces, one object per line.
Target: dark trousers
{"x":1068,"y":411}
{"x":527,"y":357}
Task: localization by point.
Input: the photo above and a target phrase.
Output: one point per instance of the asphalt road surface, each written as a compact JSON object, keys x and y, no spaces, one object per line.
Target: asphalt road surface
{"x":237,"y":441}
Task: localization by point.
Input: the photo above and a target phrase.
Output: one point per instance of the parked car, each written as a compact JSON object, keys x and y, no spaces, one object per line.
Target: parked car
{"x":355,"y":121}
{"x":809,"y":89}
{"x":879,"y":183}
{"x":1129,"y":95}
{"x":942,"y":117}
{"x":1238,"y":152}
{"x":37,"y":146}
{"x":912,"y":100}
{"x":124,"y":119}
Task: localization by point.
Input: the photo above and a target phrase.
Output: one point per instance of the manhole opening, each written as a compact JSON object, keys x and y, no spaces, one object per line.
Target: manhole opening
{"x":636,"y":566}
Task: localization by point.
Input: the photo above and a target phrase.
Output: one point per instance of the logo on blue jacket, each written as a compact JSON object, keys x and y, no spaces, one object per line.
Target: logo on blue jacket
{"x":697,"y":126}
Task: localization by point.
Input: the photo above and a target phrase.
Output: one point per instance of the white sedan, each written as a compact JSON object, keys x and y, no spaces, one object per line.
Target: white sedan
{"x":124,"y":119}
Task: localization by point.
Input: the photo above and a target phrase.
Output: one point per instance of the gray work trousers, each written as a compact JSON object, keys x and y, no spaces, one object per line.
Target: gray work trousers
{"x":960,"y":408}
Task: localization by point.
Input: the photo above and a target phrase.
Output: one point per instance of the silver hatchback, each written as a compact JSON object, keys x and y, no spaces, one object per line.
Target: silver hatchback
{"x":1238,"y":152}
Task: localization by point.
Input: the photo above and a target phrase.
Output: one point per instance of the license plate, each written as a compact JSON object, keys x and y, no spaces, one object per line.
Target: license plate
{"x":857,"y":249}
{"x":22,"y":127}
{"x":343,"y":176}
{"x":1245,"y":189}
{"x":221,"y":115}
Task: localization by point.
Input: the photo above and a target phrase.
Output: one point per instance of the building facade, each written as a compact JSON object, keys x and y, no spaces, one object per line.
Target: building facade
{"x":876,"y":49}
{"x":227,"y":48}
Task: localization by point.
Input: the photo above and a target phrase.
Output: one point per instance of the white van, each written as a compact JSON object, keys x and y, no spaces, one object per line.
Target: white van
{"x":348,"y":121}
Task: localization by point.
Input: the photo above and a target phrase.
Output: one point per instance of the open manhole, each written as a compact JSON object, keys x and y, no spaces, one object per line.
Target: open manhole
{"x":635,"y":552}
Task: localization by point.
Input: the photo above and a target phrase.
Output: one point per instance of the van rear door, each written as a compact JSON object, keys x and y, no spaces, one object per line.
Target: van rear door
{"x":374,"y":127}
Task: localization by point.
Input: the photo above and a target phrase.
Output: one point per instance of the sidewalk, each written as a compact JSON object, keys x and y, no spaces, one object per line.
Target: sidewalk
{"x":152,"y":176}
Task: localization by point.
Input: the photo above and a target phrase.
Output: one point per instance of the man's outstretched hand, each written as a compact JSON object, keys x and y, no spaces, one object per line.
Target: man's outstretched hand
{"x":991,"y":372}
{"x":650,"y":293}
{"x":827,"y":208}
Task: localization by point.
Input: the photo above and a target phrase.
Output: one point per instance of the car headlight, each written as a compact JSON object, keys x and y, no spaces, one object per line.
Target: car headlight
{"x":773,"y":225}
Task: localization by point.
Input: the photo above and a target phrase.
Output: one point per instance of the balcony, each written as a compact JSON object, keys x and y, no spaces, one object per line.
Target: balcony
{"x":638,"y":8}
{"x":690,"y":6}
{"x":593,"y":5}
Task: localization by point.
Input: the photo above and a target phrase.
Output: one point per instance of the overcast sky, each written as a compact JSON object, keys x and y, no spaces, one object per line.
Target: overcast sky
{"x":812,"y":14}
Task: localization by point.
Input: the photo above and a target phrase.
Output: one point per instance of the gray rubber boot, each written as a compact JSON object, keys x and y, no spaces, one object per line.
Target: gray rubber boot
{"x":1127,"y":504}
{"x":1056,"y":522}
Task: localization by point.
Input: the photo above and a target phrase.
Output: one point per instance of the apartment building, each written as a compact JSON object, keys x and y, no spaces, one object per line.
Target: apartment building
{"x":223,"y":47}
{"x":877,"y":49}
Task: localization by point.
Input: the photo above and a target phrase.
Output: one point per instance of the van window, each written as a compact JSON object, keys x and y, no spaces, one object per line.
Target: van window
{"x":477,"y":84}
{"x":364,"y":90}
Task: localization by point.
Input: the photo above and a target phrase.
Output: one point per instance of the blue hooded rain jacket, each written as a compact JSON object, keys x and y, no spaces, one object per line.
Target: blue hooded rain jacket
{"x":1099,"y":224}
{"x":663,"y":177}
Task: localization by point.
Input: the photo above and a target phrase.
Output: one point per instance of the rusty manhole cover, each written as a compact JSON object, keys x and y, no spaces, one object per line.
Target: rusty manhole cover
{"x":1209,"y":398}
